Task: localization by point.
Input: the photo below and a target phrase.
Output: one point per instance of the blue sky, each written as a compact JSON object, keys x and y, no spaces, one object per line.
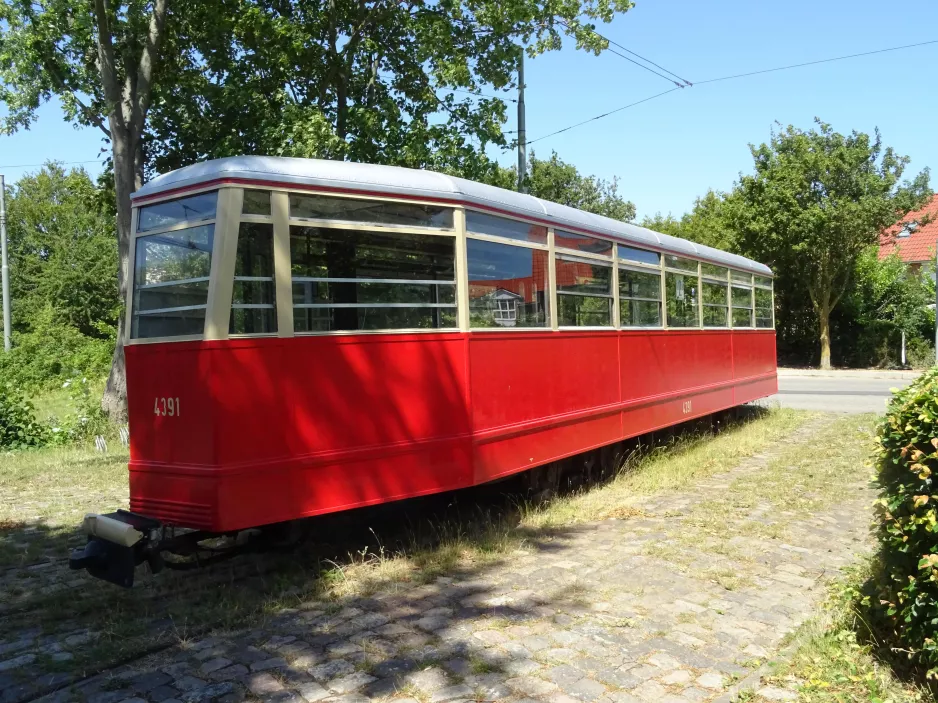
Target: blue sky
{"x":671,"y":150}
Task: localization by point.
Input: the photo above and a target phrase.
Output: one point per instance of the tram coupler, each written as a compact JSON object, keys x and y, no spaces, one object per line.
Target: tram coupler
{"x":117,"y":543}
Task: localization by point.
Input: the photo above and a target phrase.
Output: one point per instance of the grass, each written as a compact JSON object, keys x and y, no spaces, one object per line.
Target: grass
{"x":829,"y":665}
{"x":46,"y":492}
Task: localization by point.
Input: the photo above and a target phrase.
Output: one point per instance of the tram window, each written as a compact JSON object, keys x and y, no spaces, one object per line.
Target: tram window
{"x":763,"y":308}
{"x":481,"y":223}
{"x":715,"y":308}
{"x":357,"y":280}
{"x":711,"y":271}
{"x":379,"y":212}
{"x":256,"y":202}
{"x":763,"y":281}
{"x":681,"y":297}
{"x":508,"y":285}
{"x":584,"y":292}
{"x":640,"y":256}
{"x":253,"y":310}
{"x":742,"y":306}
{"x":580,"y":242}
{"x":740,"y":277}
{"x":172,"y":212}
{"x":678,"y":262}
{"x":171,"y":274}
{"x":639,"y":298}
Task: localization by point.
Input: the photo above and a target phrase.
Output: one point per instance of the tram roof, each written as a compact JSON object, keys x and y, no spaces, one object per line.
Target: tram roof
{"x":414,"y":183}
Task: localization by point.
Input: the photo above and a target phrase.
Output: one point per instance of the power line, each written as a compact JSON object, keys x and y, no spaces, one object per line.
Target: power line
{"x":813,"y":63}
{"x":64,"y":163}
{"x":738,"y":75}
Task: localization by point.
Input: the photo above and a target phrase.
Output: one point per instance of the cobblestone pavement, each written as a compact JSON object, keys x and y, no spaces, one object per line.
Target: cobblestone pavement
{"x":619,"y":611}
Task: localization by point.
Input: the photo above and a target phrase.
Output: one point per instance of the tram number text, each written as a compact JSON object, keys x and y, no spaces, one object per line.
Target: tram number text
{"x":166,"y":406}
{"x":686,"y":408}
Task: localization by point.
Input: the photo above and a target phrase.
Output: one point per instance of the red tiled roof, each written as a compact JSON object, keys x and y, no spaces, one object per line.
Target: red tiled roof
{"x":920,"y":244}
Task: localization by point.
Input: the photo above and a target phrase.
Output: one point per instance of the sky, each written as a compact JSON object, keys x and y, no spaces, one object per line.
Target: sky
{"x":671,"y":150}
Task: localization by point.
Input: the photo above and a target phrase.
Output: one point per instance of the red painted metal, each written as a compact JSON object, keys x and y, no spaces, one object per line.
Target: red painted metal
{"x":272,"y":429}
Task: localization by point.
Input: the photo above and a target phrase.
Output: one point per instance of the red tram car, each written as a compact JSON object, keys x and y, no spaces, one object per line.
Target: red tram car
{"x":308,"y":336}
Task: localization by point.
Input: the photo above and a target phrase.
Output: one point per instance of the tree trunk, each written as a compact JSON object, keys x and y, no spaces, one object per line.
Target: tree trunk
{"x":114,"y":401}
{"x":824,"y":326}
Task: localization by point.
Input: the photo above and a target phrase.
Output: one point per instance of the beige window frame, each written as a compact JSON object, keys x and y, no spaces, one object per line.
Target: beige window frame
{"x":639,"y":266}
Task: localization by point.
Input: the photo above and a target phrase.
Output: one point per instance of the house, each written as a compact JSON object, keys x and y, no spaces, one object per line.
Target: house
{"x":914,"y":237}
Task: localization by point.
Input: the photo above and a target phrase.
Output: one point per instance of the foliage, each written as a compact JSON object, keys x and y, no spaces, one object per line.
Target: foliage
{"x":86,"y":419}
{"x":904,"y":602}
{"x":19,"y":428}
{"x":555,"y":180}
{"x":707,"y":222}
{"x":816,"y":202}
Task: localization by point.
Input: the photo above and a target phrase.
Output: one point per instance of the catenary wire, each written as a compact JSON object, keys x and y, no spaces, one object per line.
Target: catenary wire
{"x":734,"y":76}
{"x":63,"y":163}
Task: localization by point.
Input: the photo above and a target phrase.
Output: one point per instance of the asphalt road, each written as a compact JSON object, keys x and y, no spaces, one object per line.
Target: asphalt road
{"x":837,"y":392}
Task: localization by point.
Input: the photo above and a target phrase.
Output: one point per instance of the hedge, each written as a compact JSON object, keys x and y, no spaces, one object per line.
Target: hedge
{"x":904,"y":601}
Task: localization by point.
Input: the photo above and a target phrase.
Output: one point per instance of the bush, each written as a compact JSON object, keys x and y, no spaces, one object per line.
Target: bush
{"x":904,"y":596}
{"x":19,"y":428}
{"x":86,"y":420}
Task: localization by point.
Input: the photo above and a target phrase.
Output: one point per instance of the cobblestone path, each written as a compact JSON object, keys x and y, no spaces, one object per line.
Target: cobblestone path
{"x":662,"y":606}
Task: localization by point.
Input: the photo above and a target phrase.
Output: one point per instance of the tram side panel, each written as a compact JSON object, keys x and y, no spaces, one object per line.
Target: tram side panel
{"x":360,"y":420}
{"x":754,"y":361}
{"x":537,"y":397}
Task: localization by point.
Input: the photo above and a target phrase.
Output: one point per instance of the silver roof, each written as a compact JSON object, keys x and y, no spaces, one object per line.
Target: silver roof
{"x":394,"y":180}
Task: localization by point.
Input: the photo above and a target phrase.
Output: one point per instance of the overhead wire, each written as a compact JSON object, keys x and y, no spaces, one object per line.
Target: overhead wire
{"x":735,"y":76}
{"x":64,"y":163}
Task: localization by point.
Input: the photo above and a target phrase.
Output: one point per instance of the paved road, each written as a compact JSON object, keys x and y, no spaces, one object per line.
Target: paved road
{"x":838,"y":392}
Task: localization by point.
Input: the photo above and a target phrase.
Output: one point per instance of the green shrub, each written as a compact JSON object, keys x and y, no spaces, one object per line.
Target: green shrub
{"x":19,"y":428}
{"x":904,"y":596}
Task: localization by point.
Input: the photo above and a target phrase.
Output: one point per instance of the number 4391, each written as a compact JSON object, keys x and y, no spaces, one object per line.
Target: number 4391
{"x":166,"y":406}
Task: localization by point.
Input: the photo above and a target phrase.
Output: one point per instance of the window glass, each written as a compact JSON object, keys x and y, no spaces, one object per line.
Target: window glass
{"x":171,"y":274}
{"x":355,"y":280}
{"x":715,"y":305}
{"x":253,"y":309}
{"x":256,"y":202}
{"x":763,"y":281}
{"x":712,"y":271}
{"x":641,"y":256}
{"x":763,"y":308}
{"x":580,"y":242}
{"x":508,"y":285}
{"x":324,"y":207}
{"x":677,"y":262}
{"x":740,"y":277}
{"x":742,"y":306}
{"x":639,"y":298}
{"x":481,"y":223}
{"x":584,"y":293}
{"x":171,"y":212}
{"x":681,"y":297}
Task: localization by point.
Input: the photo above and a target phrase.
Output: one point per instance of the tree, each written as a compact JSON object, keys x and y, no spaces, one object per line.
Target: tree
{"x":665,"y":224}
{"x":366,"y":80}
{"x":555,"y":180}
{"x":816,"y":202}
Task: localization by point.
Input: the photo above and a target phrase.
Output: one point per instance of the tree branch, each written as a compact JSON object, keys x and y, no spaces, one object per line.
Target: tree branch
{"x":106,"y":62}
{"x":147,"y":61}
{"x":89,"y":114}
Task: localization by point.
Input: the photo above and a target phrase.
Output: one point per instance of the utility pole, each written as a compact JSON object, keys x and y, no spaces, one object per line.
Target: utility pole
{"x":522,"y":137}
{"x":4,"y":266}
{"x":936,"y":303}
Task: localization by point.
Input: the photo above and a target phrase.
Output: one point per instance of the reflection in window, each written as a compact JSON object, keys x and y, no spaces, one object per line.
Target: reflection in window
{"x":253,"y":309}
{"x":172,"y":212}
{"x":580,"y":242}
{"x":584,"y":292}
{"x":715,"y":308}
{"x":640,"y":256}
{"x":742,"y":306}
{"x":764,"y":308}
{"x":171,"y":274}
{"x":481,"y":223}
{"x":256,"y":202}
{"x":763,"y":281}
{"x":354,"y":280}
{"x":639,"y":298}
{"x":681,"y":294}
{"x":711,"y":271}
{"x":679,"y":262}
{"x":507,"y":285}
{"x":740,"y":277}
{"x":379,"y":212}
